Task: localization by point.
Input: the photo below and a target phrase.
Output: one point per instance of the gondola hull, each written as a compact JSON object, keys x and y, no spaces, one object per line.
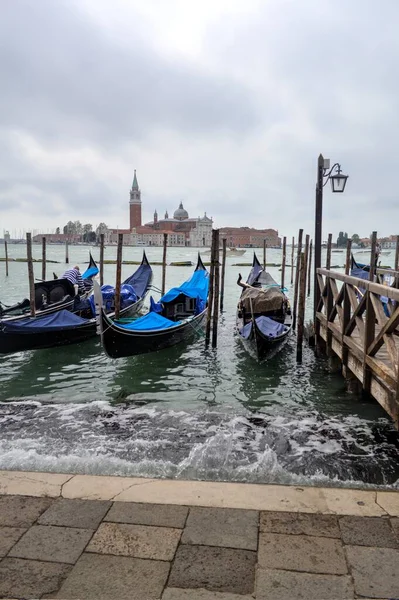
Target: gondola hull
{"x":14,"y":341}
{"x":119,"y":343}
{"x":260,"y":345}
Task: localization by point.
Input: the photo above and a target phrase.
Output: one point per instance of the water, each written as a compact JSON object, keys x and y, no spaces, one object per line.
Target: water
{"x":187,"y":412}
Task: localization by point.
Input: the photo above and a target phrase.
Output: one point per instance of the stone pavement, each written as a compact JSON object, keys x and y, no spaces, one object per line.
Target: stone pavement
{"x":52,"y":546}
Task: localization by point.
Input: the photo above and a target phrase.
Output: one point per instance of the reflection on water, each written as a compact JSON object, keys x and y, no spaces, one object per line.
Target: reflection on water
{"x":188,"y":411}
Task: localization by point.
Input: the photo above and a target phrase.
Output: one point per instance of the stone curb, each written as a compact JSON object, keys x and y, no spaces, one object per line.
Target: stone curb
{"x":340,"y":501}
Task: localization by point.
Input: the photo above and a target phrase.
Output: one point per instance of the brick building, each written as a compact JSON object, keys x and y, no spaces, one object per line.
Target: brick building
{"x":249,"y":237}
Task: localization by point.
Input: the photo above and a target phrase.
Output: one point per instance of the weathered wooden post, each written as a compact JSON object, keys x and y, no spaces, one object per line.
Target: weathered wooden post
{"x":292,"y":259}
{"x":216,"y":294}
{"x":66,"y":252}
{"x":6,"y":251}
{"x":210,"y":295}
{"x":101,"y":259}
{"x":31,"y":275}
{"x":369,"y":329}
{"x":224,"y":242}
{"x":310,"y":265}
{"x":283,"y":262}
{"x":118,"y":276}
{"x":301,"y":306}
{"x":43,"y":258}
{"x":296,"y":284}
{"x":396,"y":266}
{"x":264,"y":254}
{"x":165,"y":244}
{"x":348,"y":259}
{"x":329,"y":247}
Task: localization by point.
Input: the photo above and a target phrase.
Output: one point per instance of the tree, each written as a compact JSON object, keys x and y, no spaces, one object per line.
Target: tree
{"x":57,"y":231}
{"x":355,"y":238}
{"x":70,"y":228}
{"x":101,"y":228}
{"x":342,"y":239}
{"x":78,"y":228}
{"x":87,"y":230}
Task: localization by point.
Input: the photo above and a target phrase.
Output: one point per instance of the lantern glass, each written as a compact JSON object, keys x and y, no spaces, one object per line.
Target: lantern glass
{"x":338,"y":182}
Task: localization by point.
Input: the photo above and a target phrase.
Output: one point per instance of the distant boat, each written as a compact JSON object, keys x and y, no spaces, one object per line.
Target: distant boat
{"x":230,"y":251}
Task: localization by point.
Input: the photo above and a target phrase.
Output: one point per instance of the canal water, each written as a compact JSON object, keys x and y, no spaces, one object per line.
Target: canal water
{"x":187,"y":412}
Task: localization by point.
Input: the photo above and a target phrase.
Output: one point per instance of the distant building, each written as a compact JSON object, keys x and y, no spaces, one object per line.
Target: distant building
{"x":181,"y":229}
{"x":57,"y":238}
{"x":388,"y":242}
{"x":249,"y":237}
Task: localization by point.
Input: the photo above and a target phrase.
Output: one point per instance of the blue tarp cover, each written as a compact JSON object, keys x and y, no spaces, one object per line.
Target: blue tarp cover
{"x":128,"y":297}
{"x":269,"y":327}
{"x":150,"y":322}
{"x":195,"y":287}
{"x":62,"y":319}
{"x":140,"y":280}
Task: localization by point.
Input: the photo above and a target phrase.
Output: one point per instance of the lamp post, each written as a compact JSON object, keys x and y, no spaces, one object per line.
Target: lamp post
{"x":338,"y":183}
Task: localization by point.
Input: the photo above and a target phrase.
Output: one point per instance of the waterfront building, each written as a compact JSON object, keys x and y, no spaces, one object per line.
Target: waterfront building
{"x":248,"y":237}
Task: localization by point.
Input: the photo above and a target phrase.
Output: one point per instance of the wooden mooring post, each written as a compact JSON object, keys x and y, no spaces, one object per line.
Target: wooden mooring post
{"x":264,"y":254}
{"x":310,"y":265}
{"x":6,"y":251}
{"x":165,"y":245}
{"x":43,"y":258}
{"x":301,"y":307}
{"x":283,"y":262}
{"x":215,"y":315}
{"x":31,"y":275}
{"x":66,"y":253}
{"x":224,"y":243}
{"x":396,"y":265}
{"x":329,"y":248}
{"x":292,"y":259}
{"x":296,"y":284}
{"x":101,"y":259}
{"x":118,"y":276}
{"x":210,"y":294}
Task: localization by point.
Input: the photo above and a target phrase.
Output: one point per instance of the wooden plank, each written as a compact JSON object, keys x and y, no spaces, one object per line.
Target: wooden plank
{"x":358,"y":309}
{"x":118,"y":276}
{"x":348,"y":257}
{"x":301,"y":307}
{"x":354,"y":347}
{"x":369,"y":335}
{"x":224,"y":242}
{"x":101,"y":259}
{"x":210,"y":295}
{"x":165,"y":245}
{"x":338,"y":297}
{"x":377,"y":288}
{"x":43,"y":258}
{"x":283,"y":262}
{"x":31,"y":276}
{"x":384,"y":372}
{"x":292,"y":259}
{"x":310,"y":264}
{"x":373,"y":257}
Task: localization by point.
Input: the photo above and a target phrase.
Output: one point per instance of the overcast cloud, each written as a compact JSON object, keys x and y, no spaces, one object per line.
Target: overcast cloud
{"x":225,"y":106}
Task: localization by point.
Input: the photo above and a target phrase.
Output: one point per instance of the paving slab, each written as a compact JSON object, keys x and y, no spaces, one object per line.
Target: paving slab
{"x":389,"y":501}
{"x":301,"y":553}
{"x":137,"y":513}
{"x":8,"y":537}
{"x":365,"y":531}
{"x":300,"y":524}
{"x":375,"y":571}
{"x":53,"y":544}
{"x":100,"y":577}
{"x":201,"y":594}
{"x":95,"y":487}
{"x":86,"y":514}
{"x":215,"y":569}
{"x":21,"y":511}
{"x":287,"y":585}
{"x":225,"y":527}
{"x":30,"y":483}
{"x":140,"y":541}
{"x":30,"y":578}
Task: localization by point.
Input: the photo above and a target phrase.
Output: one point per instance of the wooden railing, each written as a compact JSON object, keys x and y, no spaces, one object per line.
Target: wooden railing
{"x":363,"y":332}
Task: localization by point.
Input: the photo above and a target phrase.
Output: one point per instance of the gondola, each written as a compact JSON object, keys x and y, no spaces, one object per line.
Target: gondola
{"x":50,"y":297}
{"x":264,"y":318}
{"x":176,"y":318}
{"x":65,"y":327}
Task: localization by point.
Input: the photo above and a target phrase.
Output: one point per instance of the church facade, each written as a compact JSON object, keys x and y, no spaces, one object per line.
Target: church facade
{"x":181,"y":229}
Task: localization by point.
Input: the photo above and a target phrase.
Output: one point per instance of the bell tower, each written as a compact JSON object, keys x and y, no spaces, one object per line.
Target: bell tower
{"x":135,"y":204}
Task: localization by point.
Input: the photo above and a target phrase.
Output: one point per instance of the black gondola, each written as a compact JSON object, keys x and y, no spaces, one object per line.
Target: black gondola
{"x":178,"y":315}
{"x":65,"y":327}
{"x":264,"y":318}
{"x":50,"y":296}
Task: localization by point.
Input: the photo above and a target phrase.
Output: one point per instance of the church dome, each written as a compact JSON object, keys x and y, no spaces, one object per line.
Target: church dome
{"x":180,"y":213}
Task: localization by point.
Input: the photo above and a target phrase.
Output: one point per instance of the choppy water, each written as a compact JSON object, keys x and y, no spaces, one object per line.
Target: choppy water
{"x":187,"y":412}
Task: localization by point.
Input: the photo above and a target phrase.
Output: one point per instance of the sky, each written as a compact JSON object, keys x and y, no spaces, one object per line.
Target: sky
{"x":224,"y":105}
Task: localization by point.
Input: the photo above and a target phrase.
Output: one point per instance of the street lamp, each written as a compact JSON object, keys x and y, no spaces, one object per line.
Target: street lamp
{"x":338,"y":183}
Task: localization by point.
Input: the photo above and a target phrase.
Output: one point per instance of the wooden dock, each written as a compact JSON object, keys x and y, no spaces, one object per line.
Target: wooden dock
{"x":355,"y":327}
